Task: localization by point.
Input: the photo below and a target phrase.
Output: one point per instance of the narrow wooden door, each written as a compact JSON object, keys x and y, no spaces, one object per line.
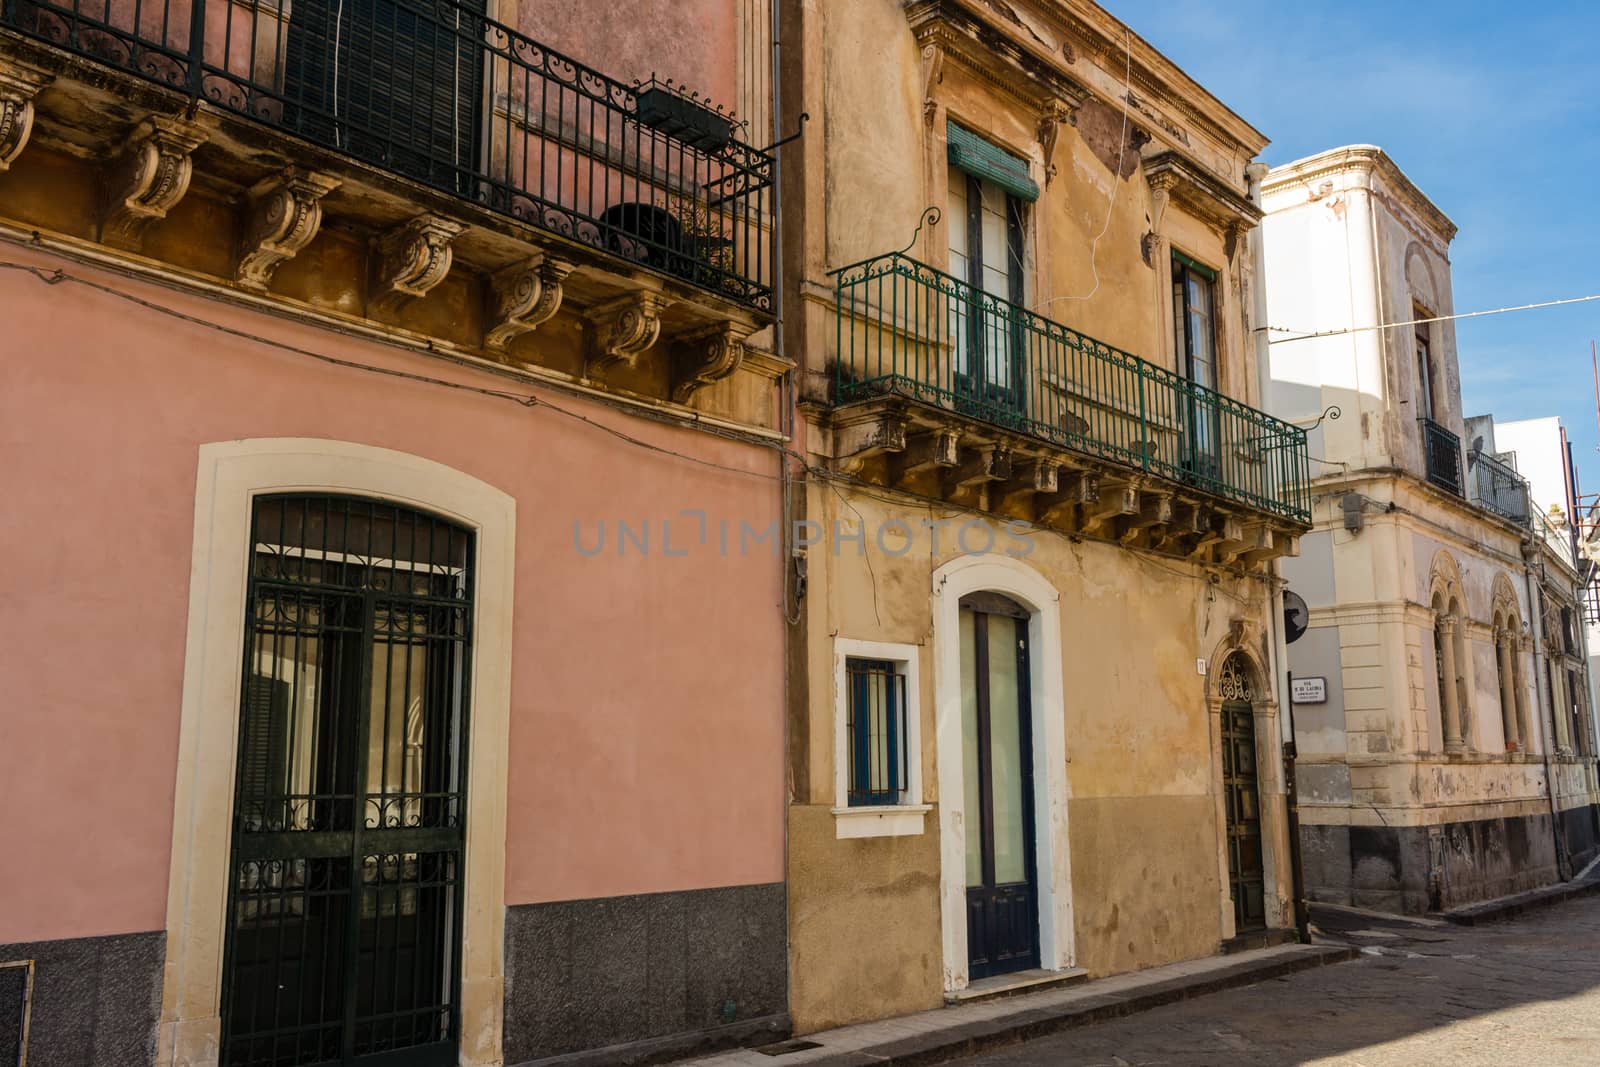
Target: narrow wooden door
{"x":1242,"y":796}
{"x":997,"y":750}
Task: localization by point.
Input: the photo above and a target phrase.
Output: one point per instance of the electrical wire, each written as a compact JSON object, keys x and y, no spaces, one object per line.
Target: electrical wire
{"x":1304,"y":335}
{"x":1116,"y":178}
{"x":897,"y":497}
{"x":527,"y":400}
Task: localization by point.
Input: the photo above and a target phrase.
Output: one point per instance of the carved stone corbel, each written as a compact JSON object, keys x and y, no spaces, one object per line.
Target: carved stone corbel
{"x":148,"y":179}
{"x":932,"y":74}
{"x":285,"y":215}
{"x":524,"y":296}
{"x":624,"y":328}
{"x":1230,"y":241}
{"x":411,"y":259}
{"x":1160,"y":196}
{"x":1051,"y":118}
{"x":715,"y":354}
{"x":19,"y":84}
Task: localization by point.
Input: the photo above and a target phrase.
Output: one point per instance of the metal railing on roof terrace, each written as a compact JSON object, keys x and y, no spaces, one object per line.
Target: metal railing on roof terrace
{"x":908,"y":329}
{"x":1497,"y":487}
{"x":437,"y":92}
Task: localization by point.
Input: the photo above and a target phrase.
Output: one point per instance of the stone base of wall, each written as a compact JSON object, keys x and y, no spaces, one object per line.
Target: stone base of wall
{"x":1581,"y":828}
{"x":96,"y":1000}
{"x":644,"y":970}
{"x":1416,"y":869}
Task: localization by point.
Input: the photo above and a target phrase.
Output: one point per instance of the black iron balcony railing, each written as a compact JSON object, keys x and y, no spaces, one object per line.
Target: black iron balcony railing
{"x":1497,"y":487}
{"x":907,"y":328}
{"x":1442,"y":454}
{"x":435,"y":91}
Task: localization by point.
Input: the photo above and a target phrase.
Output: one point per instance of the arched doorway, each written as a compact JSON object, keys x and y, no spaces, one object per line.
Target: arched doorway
{"x":997,"y":757}
{"x":343,"y":930}
{"x":1241,"y":790}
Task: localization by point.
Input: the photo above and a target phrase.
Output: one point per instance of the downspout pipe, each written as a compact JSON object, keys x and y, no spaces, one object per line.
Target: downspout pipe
{"x":785,"y":480}
{"x":1536,"y":626}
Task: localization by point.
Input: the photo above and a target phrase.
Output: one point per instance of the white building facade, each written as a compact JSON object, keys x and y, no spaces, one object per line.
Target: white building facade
{"x":1425,"y":774}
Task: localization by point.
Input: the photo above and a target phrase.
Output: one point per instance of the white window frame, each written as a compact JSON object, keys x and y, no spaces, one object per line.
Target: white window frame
{"x":877,"y":820}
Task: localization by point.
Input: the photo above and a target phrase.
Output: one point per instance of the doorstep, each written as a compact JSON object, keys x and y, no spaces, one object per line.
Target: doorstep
{"x":964,"y":1029}
{"x":1015,"y":984}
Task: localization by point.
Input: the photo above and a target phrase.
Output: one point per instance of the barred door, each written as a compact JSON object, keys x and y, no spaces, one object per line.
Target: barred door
{"x":1242,"y":797}
{"x":344,"y":909}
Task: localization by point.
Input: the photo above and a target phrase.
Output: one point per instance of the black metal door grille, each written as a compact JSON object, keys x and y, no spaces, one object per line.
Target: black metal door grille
{"x":344,"y":908}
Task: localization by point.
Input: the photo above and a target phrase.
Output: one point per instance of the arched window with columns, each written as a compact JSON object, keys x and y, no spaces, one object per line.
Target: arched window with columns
{"x":1450,"y":654}
{"x":1508,"y":672}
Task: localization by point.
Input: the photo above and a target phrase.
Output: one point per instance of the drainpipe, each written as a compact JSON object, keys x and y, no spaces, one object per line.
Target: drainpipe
{"x":785,"y":479}
{"x":1536,"y":625}
{"x":1277,"y":669}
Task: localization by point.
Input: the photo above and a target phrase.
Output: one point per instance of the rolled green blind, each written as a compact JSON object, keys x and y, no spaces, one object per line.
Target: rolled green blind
{"x":990,"y":163}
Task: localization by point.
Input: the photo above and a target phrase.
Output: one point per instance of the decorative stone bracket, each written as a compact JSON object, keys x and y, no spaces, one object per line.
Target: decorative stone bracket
{"x":148,"y":179}
{"x":624,"y":328}
{"x":284,"y":217}
{"x":714,"y":354}
{"x":19,"y":84}
{"x":411,"y":259}
{"x":525,"y":296}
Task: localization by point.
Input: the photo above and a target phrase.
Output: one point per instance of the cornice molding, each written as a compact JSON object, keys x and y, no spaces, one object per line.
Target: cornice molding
{"x":1200,"y":193}
{"x":957,"y":33}
{"x":1367,"y":161}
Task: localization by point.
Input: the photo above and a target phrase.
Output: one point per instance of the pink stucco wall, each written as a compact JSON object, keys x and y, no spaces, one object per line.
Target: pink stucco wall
{"x":646,"y":737}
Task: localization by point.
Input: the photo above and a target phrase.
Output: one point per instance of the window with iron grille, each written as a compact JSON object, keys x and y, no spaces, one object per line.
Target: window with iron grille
{"x":876,"y":742}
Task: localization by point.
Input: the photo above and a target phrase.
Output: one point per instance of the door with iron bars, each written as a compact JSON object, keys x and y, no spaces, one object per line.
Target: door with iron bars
{"x":997,"y":773}
{"x":1242,"y":797}
{"x":343,"y":937}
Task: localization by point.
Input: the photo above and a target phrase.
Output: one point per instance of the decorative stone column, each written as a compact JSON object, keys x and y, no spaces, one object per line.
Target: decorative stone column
{"x":1519,"y":659}
{"x":1508,"y":694}
{"x":1558,"y":704}
{"x":1450,"y":691}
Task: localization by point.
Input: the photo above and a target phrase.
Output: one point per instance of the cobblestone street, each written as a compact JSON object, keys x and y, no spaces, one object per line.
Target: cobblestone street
{"x":1521,"y":992}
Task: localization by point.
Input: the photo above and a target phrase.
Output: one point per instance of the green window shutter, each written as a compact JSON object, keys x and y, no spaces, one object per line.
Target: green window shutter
{"x":1199,"y":268}
{"x":990,"y":163}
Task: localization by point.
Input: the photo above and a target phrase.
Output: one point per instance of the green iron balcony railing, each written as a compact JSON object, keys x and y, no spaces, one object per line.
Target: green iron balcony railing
{"x":1442,"y":455}
{"x":905,"y":328}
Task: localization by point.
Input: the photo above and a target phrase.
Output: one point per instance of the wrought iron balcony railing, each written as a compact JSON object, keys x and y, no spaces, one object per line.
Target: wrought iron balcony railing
{"x":1497,"y":487}
{"x":906,"y":328}
{"x":435,"y":91}
{"x":1442,"y":454}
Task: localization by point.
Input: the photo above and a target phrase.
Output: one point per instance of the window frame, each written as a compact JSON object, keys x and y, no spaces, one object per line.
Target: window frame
{"x":1010,"y":394}
{"x":878,"y":820}
{"x":1422,"y":365}
{"x":1183,"y":266}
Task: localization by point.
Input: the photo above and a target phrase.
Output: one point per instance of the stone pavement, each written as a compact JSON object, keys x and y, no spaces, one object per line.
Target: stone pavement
{"x":1521,"y":993}
{"x":946,"y":1034}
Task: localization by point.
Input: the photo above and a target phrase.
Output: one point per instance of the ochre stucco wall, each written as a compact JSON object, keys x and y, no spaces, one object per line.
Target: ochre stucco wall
{"x":1144,"y":824}
{"x":646,"y":734}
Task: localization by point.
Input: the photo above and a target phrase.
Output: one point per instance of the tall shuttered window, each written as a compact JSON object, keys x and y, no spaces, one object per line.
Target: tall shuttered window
{"x":390,"y":82}
{"x":989,"y":193}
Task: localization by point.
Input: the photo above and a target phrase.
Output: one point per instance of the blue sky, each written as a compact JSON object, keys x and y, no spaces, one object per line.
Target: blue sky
{"x":1493,"y":109}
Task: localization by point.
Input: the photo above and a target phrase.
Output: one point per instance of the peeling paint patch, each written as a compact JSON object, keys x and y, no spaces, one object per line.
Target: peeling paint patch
{"x":1101,"y":127}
